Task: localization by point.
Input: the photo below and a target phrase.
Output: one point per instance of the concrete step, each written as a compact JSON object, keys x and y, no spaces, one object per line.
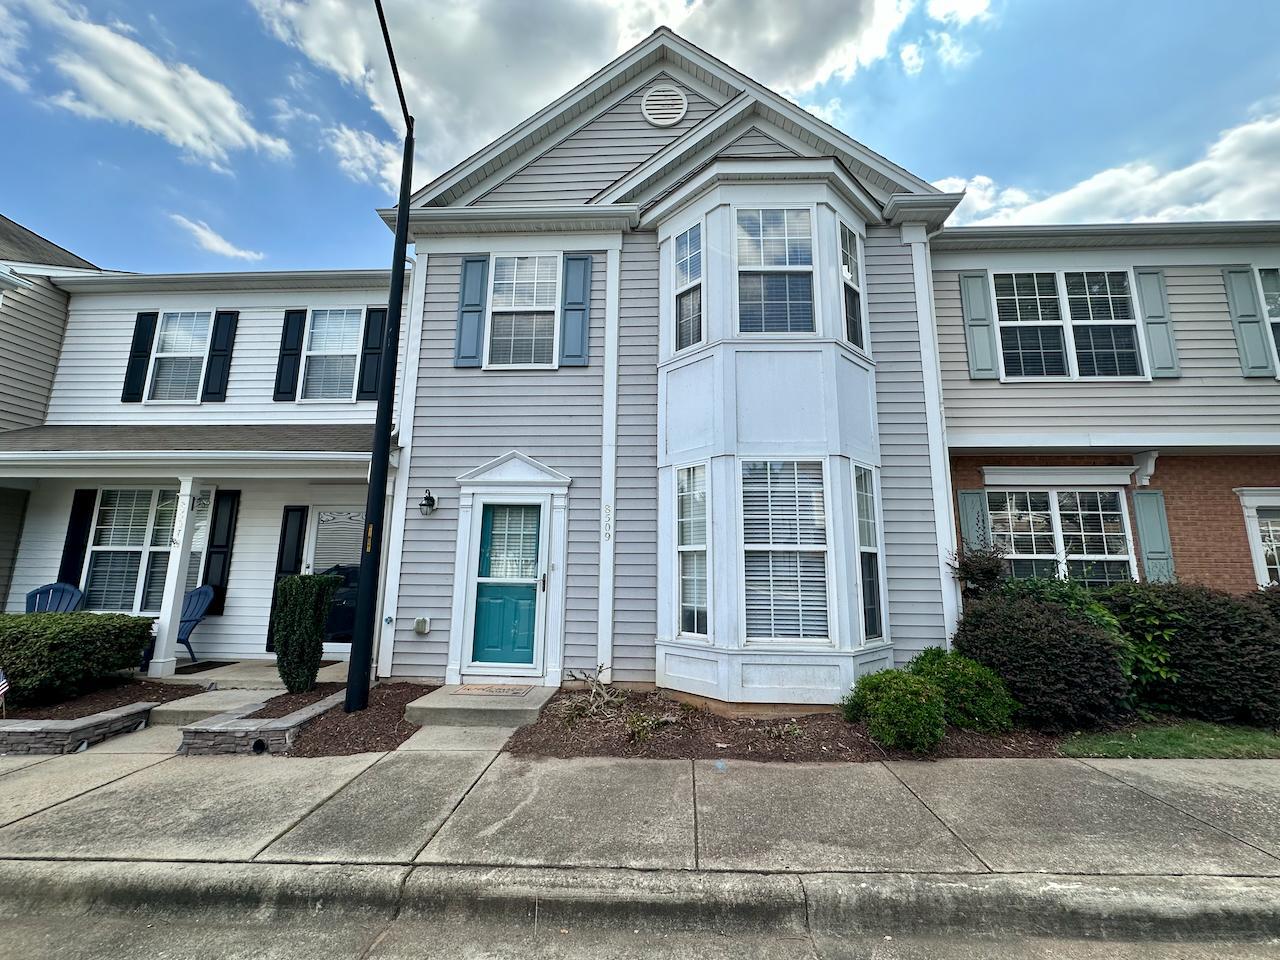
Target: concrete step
{"x":443,"y":738}
{"x":470,"y":706}
{"x":205,"y":705}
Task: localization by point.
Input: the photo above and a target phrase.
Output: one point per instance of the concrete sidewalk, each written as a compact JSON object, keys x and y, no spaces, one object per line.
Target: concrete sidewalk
{"x":1115,"y":847}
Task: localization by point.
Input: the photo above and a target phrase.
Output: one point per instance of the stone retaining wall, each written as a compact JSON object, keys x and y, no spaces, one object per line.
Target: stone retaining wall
{"x":72,"y":736}
{"x":232,"y":732}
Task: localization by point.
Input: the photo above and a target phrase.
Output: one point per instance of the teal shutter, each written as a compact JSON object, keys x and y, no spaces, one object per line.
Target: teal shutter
{"x":1153,"y":302}
{"x":975,"y":522}
{"x":473,"y":291}
{"x":575,"y":311}
{"x":979,"y":327}
{"x":1250,"y":324}
{"x":1153,"y":535}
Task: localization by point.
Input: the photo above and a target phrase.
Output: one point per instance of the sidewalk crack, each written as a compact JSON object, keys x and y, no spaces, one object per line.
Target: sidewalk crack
{"x":454,"y":809}
{"x":959,"y":839}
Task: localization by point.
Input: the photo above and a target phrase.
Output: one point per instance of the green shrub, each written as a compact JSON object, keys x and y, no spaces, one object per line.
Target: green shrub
{"x":1223,"y":661}
{"x":973,"y":696}
{"x":981,"y":568}
{"x":903,"y":711}
{"x":53,"y":656}
{"x":1061,"y":654}
{"x":297,"y":626}
{"x":1270,"y":598}
{"x":1148,"y":625}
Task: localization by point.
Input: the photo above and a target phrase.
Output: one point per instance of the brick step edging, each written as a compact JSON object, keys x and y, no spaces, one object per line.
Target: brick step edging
{"x":72,"y":736}
{"x":235,"y":732}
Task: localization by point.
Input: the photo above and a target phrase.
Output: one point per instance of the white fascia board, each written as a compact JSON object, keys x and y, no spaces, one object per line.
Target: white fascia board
{"x":517,"y":218}
{"x":166,"y":463}
{"x":1168,"y":442}
{"x":226,"y":282}
{"x":1057,"y":476}
{"x":519,"y":242}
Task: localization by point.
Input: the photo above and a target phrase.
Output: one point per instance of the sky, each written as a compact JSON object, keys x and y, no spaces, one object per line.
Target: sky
{"x":262,"y":134}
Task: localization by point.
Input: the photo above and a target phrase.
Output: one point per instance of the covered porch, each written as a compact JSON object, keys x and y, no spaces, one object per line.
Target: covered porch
{"x":137,"y":516}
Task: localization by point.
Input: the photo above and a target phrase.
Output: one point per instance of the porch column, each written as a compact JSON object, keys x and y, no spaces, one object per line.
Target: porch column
{"x":164,"y":659}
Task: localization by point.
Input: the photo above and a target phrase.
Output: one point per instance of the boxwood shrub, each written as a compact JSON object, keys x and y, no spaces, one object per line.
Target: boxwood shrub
{"x":54,"y":656}
{"x":297,"y":627}
{"x":1223,"y":649}
{"x":903,"y":711}
{"x":973,"y":696}
{"x":1061,"y":653}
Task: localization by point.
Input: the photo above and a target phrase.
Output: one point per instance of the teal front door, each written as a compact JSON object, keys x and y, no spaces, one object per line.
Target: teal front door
{"x":507,"y":584}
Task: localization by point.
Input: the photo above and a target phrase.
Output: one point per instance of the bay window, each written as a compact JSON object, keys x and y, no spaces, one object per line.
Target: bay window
{"x":1081,"y":535}
{"x":851,"y":285}
{"x":525,"y":297}
{"x":689,"y":287}
{"x":868,"y":553}
{"x":784,"y":522}
{"x":331,"y":353}
{"x":775,"y":271}
{"x":177,"y":363}
{"x":691,"y":548}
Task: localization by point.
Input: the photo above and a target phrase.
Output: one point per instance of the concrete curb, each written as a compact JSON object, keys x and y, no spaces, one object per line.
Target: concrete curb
{"x":744,"y":904}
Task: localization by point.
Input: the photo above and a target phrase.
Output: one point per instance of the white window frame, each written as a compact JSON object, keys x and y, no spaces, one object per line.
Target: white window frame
{"x":146,"y":549}
{"x":157,"y":355}
{"x":489,"y":311}
{"x":860,"y":285}
{"x":882,"y":577}
{"x":307,"y":354}
{"x":1068,"y":325}
{"x":1060,"y":555}
{"x":1251,"y":498}
{"x":827,"y":549}
{"x":811,"y":269}
{"x":705,"y":548}
{"x":1269,"y":322}
{"x":679,"y":289}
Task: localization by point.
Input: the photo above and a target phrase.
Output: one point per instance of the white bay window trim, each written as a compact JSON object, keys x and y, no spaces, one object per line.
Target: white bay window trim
{"x":308,"y":354}
{"x":739,"y":268}
{"x":853,"y":279}
{"x":1262,"y":525}
{"x":158,"y":355}
{"x":692,"y":549}
{"x":868,"y":525}
{"x":553,"y":307}
{"x":687,"y":273}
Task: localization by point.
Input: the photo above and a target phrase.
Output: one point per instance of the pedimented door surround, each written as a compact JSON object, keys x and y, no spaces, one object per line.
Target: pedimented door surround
{"x":512,"y":478}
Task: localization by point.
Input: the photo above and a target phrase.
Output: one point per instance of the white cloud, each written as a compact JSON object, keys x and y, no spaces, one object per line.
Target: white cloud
{"x":952,"y":52}
{"x":1235,"y":179}
{"x":13,"y":41}
{"x":957,"y":11}
{"x":912,"y":58}
{"x":832,"y":111}
{"x":365,"y":158}
{"x":113,"y":77}
{"x":209,"y":239}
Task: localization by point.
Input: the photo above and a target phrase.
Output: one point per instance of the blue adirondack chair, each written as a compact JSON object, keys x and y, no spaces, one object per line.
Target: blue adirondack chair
{"x":194,"y":606}
{"x":54,"y":598}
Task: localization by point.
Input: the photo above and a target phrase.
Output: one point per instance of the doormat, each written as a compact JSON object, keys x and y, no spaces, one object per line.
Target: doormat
{"x":493,"y":689}
{"x":200,"y":666}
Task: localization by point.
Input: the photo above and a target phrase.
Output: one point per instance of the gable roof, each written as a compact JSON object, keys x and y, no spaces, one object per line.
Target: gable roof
{"x":21,"y":245}
{"x":664,"y":47}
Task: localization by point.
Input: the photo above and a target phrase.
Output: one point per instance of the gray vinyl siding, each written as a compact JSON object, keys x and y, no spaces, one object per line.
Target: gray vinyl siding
{"x":1210,"y":395}
{"x":593,"y":157}
{"x":32,"y":322}
{"x":756,"y":144}
{"x":466,"y":417}
{"x":635,"y":613}
{"x":914,"y":605}
{"x":13,"y":509}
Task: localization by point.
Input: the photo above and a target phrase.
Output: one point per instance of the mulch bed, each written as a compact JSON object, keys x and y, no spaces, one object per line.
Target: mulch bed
{"x":652,"y":726}
{"x":381,"y":726}
{"x":285,"y":703}
{"x":108,"y":697}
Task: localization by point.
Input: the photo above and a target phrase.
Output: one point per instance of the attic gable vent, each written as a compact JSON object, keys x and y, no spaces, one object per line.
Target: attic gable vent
{"x":664,"y":105}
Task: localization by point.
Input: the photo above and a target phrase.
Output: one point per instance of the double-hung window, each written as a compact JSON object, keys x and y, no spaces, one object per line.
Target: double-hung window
{"x":868,"y":553}
{"x":1269,"y":531}
{"x":775,"y":271}
{"x":1096,"y":336}
{"x":784,"y":524}
{"x":524,"y":308}
{"x":332,"y":352}
{"x":689,"y":287}
{"x":691,"y":547}
{"x":1271,"y":297}
{"x":177,"y":364}
{"x":851,"y":283}
{"x":1082,"y":535}
{"x":130,"y":544}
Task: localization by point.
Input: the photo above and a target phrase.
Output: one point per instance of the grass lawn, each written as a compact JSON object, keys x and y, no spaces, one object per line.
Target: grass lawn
{"x":1187,"y":739}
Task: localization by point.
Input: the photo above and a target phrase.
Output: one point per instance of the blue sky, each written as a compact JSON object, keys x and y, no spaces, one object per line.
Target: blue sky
{"x":261,"y":134}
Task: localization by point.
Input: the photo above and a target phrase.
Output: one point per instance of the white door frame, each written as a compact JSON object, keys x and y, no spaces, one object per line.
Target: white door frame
{"x":511,"y":478}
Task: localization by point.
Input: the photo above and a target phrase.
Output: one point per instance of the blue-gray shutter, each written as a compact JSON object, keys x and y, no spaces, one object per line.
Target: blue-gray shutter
{"x":135,"y":373}
{"x":473,"y":290}
{"x":375,"y":332}
{"x":289,"y":363}
{"x":1153,"y":535}
{"x":979,"y":327}
{"x":575,"y":312}
{"x":1153,"y":301}
{"x":217,"y":372}
{"x":975,"y":522}
{"x":1250,"y":324}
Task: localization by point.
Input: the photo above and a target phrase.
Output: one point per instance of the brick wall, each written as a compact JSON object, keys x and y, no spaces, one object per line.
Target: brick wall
{"x":1206,"y":521}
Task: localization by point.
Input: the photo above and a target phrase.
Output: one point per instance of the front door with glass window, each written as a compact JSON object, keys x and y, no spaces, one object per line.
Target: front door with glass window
{"x":508,"y":584}
{"x":333,"y":548}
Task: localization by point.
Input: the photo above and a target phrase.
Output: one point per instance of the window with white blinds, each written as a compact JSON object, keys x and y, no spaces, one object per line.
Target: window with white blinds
{"x":691,"y":547}
{"x":784,"y":522}
{"x":775,"y":271}
{"x":525,"y":299}
{"x":130,"y":544}
{"x":688,"y":291}
{"x":868,"y":553}
{"x":338,"y":539}
{"x":177,"y":363}
{"x":331,"y":354}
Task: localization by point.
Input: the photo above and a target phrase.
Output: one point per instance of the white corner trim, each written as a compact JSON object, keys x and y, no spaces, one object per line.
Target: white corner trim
{"x":939,"y":459}
{"x":1251,"y":498}
{"x":1119,"y":476}
{"x":390,"y":605}
{"x":608,"y":465}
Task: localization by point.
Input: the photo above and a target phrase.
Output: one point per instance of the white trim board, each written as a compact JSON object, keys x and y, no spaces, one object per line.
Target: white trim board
{"x":1251,"y":498}
{"x":1118,"y":476}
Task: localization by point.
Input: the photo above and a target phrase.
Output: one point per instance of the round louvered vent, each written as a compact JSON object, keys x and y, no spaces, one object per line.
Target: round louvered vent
{"x":664,"y":105}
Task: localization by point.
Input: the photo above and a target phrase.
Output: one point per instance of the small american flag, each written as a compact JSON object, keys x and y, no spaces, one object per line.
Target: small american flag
{"x":4,"y":684}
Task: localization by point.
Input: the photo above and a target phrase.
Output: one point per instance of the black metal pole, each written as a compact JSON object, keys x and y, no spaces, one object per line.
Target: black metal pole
{"x":376,"y":504}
